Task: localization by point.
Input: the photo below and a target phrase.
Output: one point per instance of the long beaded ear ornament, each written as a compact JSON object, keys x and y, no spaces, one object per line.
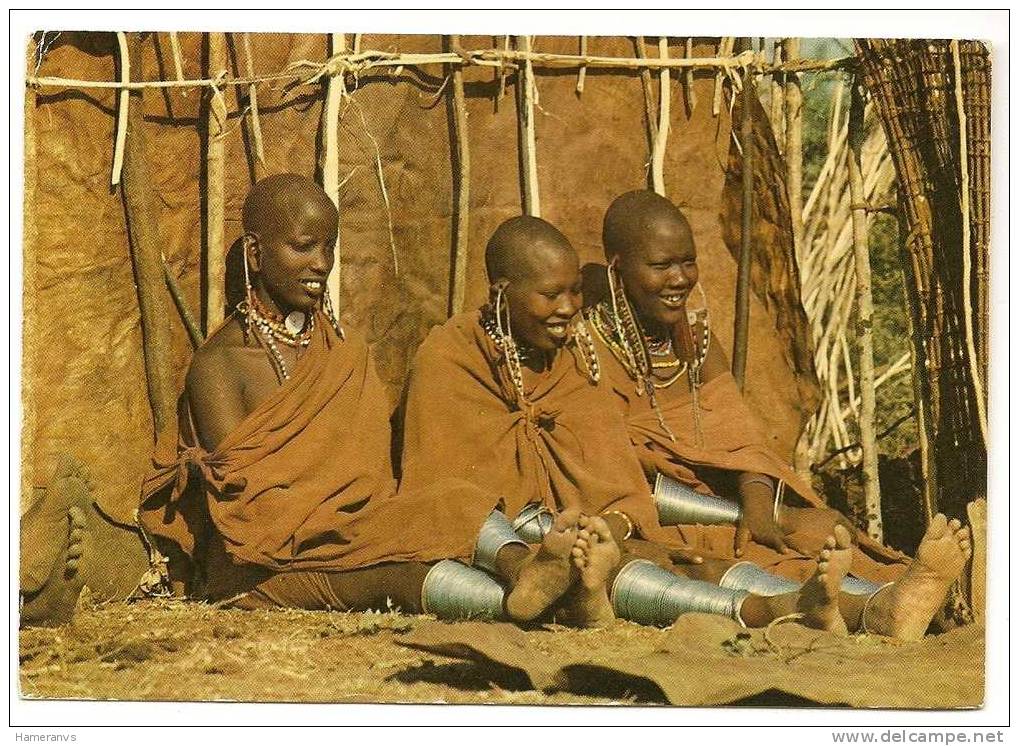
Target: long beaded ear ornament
{"x":269,"y":329}
{"x":585,"y":343}
{"x":327,"y":307}
{"x":702,"y":317}
{"x":503,"y":338}
{"x":632,"y":343}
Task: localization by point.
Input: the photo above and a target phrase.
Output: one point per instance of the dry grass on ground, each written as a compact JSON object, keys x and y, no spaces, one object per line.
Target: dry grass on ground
{"x":174,"y":650}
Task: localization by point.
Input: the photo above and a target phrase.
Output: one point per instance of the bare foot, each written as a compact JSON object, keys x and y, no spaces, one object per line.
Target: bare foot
{"x":596,"y":555}
{"x":818,"y":598}
{"x":904,"y":609}
{"x":548,"y":573}
{"x":53,"y":536}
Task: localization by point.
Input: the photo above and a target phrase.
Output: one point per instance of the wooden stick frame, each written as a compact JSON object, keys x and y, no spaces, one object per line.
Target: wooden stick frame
{"x":306,"y":72}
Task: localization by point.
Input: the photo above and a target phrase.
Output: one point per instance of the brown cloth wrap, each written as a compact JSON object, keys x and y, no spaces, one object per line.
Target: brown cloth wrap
{"x":732,"y":443}
{"x":304,"y":483}
{"x":569,"y":450}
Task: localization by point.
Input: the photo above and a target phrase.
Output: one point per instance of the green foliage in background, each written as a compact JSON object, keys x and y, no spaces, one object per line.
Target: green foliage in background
{"x":891,"y":323}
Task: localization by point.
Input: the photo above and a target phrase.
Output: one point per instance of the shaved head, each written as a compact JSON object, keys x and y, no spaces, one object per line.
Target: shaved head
{"x":637,"y":215}
{"x":522,"y":247}
{"x":274,"y":201}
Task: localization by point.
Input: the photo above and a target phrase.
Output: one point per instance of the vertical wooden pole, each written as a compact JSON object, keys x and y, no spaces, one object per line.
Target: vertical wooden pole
{"x":123,"y":106}
{"x":582,"y":74}
{"x":664,"y":116}
{"x":794,"y":143}
{"x":330,"y":158}
{"x":778,"y":100}
{"x":141,"y":209}
{"x":215,"y":188}
{"x":865,"y":314}
{"x":967,"y":248}
{"x":688,"y":92}
{"x":651,"y":119}
{"x":501,"y":74}
{"x":742,"y":319}
{"x":29,"y":294}
{"x":463,"y":186}
{"x":725,"y":47}
{"x":528,"y":154}
{"x":254,"y":119}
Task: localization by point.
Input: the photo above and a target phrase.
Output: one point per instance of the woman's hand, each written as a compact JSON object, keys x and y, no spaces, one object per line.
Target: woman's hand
{"x":757,"y":520}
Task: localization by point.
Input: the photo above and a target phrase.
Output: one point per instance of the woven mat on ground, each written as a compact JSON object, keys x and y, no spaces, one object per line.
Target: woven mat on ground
{"x":706,"y":660}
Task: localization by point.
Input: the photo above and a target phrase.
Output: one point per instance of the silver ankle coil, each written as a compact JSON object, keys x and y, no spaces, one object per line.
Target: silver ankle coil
{"x":454,"y":591}
{"x":645,"y":593}
{"x":760,"y":582}
{"x":679,"y":505}
{"x":533,"y":522}
{"x":496,"y":532}
{"x":749,"y":577}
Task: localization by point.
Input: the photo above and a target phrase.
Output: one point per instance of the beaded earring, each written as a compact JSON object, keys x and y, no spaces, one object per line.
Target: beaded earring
{"x":509,"y":347}
{"x":701,"y":315}
{"x":634,"y":345}
{"x":267,"y":330}
{"x":327,"y":308}
{"x":630,"y":342}
{"x":585,"y":343}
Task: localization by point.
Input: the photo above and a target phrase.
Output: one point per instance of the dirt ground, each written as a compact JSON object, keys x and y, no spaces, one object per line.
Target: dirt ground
{"x":173,"y":650}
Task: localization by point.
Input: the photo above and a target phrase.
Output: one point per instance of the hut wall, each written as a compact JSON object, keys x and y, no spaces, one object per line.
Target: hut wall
{"x":86,"y":395}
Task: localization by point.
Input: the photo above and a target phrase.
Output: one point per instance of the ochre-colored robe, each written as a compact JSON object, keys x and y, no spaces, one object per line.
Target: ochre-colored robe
{"x":304,"y":482}
{"x":732,"y":443}
{"x":462,"y":420}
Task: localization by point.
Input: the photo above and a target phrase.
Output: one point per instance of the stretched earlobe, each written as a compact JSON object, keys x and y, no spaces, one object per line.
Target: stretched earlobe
{"x":251,"y":253}
{"x":496,"y":289}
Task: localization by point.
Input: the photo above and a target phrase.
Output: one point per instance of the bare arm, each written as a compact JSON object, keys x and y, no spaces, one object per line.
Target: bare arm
{"x":215,"y":396}
{"x":756,"y":496}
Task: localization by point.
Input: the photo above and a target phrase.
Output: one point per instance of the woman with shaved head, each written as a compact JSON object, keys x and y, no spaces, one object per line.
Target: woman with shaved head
{"x":697,"y":440}
{"x":507,"y":397}
{"x":277,"y":490}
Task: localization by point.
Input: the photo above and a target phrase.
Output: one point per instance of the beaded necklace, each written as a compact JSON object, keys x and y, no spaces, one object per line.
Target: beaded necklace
{"x":617,"y":325}
{"x":269,"y":329}
{"x":514,"y":352}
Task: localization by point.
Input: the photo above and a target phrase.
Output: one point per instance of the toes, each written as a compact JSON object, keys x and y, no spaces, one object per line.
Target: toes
{"x":938,"y":525}
{"x":954,"y":525}
{"x":824,"y":555}
{"x":601,"y":529}
{"x":77,"y":516}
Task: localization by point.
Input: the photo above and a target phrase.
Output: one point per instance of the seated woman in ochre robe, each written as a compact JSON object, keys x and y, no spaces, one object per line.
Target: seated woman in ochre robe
{"x":693,"y":435}
{"x":508,"y":398}
{"x":277,"y":488}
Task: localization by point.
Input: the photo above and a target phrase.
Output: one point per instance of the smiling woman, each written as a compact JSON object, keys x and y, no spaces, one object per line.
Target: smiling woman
{"x":290,"y":230}
{"x":541,"y":282}
{"x":650,"y":243}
